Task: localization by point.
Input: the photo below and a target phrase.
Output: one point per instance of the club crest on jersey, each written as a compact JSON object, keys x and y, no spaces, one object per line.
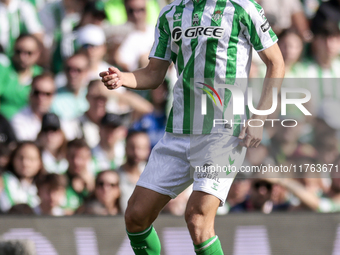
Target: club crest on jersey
{"x":177,"y":16}
{"x":195,"y":20}
{"x":217,"y":15}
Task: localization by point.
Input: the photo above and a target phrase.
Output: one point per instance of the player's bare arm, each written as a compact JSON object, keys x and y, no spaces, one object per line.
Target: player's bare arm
{"x":273,"y":60}
{"x":149,"y":77}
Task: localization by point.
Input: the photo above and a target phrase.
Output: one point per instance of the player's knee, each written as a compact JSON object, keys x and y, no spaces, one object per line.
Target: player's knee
{"x":135,"y":221}
{"x":195,"y":222}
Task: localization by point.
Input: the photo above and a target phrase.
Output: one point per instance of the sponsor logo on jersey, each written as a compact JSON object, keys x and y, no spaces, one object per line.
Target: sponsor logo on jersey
{"x":176,"y":34}
{"x":217,"y":15}
{"x":194,"y":32}
{"x":265,"y":26}
{"x":195,"y":20}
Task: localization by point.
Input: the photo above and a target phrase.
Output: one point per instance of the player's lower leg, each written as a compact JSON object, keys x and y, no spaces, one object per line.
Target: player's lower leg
{"x":143,"y":208}
{"x":212,"y":246}
{"x":145,"y":242}
{"x":200,"y":217}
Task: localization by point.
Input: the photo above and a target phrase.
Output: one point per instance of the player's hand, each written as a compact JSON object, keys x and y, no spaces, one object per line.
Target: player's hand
{"x":112,"y":78}
{"x":251,"y":136}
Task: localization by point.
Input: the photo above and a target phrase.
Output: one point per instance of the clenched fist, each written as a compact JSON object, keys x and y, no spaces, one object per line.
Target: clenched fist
{"x":112,"y":78}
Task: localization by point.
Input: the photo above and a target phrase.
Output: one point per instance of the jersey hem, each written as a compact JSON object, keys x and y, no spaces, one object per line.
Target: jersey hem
{"x":169,"y":60}
{"x":156,"y":189}
{"x":267,"y":45}
{"x":222,"y":200}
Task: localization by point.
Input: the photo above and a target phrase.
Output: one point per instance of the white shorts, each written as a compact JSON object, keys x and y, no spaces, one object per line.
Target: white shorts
{"x":210,"y":162}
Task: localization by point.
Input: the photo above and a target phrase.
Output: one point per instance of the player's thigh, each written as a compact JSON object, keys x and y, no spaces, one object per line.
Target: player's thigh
{"x":216,"y":159}
{"x":168,"y":168}
{"x":144,"y":206}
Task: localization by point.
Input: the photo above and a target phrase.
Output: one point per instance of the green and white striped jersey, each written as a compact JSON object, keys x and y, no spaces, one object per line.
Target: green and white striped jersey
{"x":20,"y":16}
{"x":209,"y":42}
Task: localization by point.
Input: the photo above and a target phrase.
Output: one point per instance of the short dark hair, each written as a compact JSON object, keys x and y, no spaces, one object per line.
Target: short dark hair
{"x":21,"y":209}
{"x":133,"y":133}
{"x":79,"y":54}
{"x":45,"y":75}
{"x":93,"y":83}
{"x":78,"y":143}
{"x":54,"y":181}
{"x":326,"y":28}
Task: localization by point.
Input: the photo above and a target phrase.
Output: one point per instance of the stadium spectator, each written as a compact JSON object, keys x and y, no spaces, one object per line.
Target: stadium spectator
{"x":118,"y":14}
{"x":81,"y":13}
{"x":239,"y":190}
{"x":327,"y":145}
{"x":19,"y":181}
{"x":27,"y":122}
{"x":154,"y":123}
{"x":258,"y":199}
{"x":137,"y":153}
{"x":291,"y":46}
{"x":70,"y":100}
{"x":99,"y":100}
{"x":329,"y":10}
{"x":310,"y":7}
{"x":21,"y":209}
{"x":7,"y":135}
{"x":53,"y":142}
{"x":134,"y":50}
{"x":21,"y":17}
{"x":5,"y":153}
{"x":258,"y":156}
{"x":93,"y":13}
{"x":287,"y":14}
{"x":105,"y":198}
{"x":51,"y":191}
{"x":324,"y":65}
{"x":109,"y":153}
{"x":314,"y":183}
{"x":97,"y":97}
{"x":92,"y":41}
{"x":329,"y":201}
{"x":325,"y":51}
{"x":281,"y":198}
{"x":81,"y":180}
{"x":285,"y":142}
{"x":16,"y":76}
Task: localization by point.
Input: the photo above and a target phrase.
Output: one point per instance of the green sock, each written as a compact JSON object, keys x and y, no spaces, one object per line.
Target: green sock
{"x":145,"y":242}
{"x":210,"y":247}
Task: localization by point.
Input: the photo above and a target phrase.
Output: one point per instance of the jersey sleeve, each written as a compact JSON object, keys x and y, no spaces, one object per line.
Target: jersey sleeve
{"x":258,"y":30}
{"x":161,"y":46}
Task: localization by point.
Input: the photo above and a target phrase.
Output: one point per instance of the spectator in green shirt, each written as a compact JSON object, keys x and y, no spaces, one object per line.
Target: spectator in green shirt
{"x":16,"y":76}
{"x":17,"y":17}
{"x":81,"y":180}
{"x":70,"y":101}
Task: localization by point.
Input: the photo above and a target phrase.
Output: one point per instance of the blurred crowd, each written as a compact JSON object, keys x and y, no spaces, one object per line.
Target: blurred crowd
{"x":70,"y":146}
